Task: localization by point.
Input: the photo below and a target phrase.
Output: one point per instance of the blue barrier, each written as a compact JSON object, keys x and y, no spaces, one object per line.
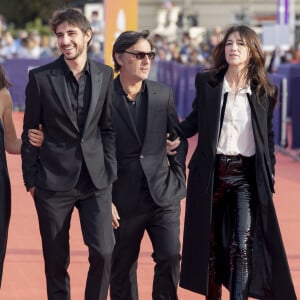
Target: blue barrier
{"x":295,"y":114}
{"x":17,"y":73}
{"x":279,"y":127}
{"x":181,"y":78}
{"x":292,"y":73}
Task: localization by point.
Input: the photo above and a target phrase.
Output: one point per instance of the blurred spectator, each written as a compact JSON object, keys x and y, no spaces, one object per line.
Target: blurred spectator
{"x":94,"y":51}
{"x":158,"y":40}
{"x":2,"y":25}
{"x":29,"y":48}
{"x":97,"y":25}
{"x":8,"y":49}
{"x":195,"y":57}
{"x":205,"y":54}
{"x":22,"y":33}
{"x":46,"y":50}
{"x":174,"y":52}
{"x":290,"y":56}
{"x":185,"y":47}
{"x":161,"y":54}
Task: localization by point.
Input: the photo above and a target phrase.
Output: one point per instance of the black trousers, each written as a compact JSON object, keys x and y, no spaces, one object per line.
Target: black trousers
{"x":54,"y":213}
{"x":235,"y":197}
{"x":162,"y":226}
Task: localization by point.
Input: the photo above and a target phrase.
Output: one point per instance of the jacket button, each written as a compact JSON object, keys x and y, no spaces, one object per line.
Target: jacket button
{"x":141,"y":156}
{"x":82,"y":141}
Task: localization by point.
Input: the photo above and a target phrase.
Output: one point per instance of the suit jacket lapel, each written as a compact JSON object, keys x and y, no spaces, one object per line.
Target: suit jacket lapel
{"x":153,"y":98}
{"x":96,"y":82}
{"x":121,"y":106}
{"x":59,"y":83}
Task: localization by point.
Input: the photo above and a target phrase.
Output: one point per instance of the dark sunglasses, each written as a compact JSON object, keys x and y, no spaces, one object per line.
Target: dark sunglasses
{"x":141,"y":55}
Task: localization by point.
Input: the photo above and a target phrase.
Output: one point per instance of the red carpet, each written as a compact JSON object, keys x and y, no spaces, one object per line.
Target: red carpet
{"x":24,"y":274}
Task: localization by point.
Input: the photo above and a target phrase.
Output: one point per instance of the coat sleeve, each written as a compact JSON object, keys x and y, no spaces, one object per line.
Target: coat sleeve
{"x":107,"y":131}
{"x":32,"y":117}
{"x":271,"y":142}
{"x":177,"y":161}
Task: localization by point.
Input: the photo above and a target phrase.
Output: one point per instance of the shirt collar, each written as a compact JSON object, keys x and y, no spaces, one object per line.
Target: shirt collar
{"x":68,"y":72}
{"x":120,"y":88}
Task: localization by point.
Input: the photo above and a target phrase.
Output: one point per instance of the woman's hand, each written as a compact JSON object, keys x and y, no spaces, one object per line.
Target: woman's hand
{"x":172,"y":145}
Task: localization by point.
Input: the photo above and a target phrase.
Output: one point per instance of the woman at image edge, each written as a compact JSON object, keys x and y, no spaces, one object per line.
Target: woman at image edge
{"x":231,"y":233}
{"x":10,"y":143}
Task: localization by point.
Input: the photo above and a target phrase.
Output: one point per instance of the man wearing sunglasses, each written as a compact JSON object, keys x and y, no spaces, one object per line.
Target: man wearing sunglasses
{"x":150,"y":184}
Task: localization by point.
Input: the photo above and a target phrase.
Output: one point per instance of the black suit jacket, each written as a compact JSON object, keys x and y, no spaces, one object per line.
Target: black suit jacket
{"x":56,"y":165}
{"x":148,"y":160}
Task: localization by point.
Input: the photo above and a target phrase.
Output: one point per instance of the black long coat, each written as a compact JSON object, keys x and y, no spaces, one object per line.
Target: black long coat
{"x":271,"y":275}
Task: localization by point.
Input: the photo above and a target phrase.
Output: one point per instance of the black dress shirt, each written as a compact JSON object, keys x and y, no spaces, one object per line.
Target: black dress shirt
{"x":79,"y":93}
{"x":80,"y":96}
{"x":137,"y":108}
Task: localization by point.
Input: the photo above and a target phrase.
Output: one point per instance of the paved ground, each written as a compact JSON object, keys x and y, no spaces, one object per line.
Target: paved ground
{"x":24,"y":276}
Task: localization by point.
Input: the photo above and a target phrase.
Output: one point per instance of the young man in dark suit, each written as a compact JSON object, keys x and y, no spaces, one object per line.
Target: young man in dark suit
{"x":150,"y":185}
{"x":71,"y":98}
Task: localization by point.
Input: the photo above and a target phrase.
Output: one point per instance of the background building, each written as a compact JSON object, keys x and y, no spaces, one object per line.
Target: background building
{"x":212,"y":13}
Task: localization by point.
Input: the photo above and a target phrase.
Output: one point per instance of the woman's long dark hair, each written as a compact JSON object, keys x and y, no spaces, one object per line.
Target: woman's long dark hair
{"x":255,"y":71}
{"x":3,"y":80}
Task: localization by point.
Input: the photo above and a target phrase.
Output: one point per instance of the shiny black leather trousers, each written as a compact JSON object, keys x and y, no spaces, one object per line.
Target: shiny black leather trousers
{"x":235,"y":194}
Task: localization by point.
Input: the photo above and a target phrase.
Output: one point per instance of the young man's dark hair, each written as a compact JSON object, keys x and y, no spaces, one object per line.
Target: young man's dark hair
{"x":71,"y":16}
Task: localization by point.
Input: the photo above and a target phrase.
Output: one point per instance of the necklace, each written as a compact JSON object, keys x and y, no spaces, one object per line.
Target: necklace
{"x":235,"y":85}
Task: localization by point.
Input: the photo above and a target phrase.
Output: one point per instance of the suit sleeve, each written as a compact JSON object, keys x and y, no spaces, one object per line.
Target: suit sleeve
{"x":173,"y":122}
{"x":32,"y":117}
{"x":107,"y":131}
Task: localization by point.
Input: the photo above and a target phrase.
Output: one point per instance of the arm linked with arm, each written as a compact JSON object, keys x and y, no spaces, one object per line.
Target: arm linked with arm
{"x":181,"y":151}
{"x":32,"y":115}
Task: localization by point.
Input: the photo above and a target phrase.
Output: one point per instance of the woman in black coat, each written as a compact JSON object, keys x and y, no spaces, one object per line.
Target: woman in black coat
{"x":231,"y":233}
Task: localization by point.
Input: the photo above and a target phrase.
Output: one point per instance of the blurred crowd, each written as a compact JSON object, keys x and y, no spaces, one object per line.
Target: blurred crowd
{"x":27,"y":45}
{"x":185,"y":49}
{"x":32,"y":45}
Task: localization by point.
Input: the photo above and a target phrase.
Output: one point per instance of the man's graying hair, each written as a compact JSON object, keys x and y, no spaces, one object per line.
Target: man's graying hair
{"x":127,"y":39}
{"x":72,"y":16}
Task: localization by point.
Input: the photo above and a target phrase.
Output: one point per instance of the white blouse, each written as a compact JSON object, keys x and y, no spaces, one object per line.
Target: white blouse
{"x":236,"y":133}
